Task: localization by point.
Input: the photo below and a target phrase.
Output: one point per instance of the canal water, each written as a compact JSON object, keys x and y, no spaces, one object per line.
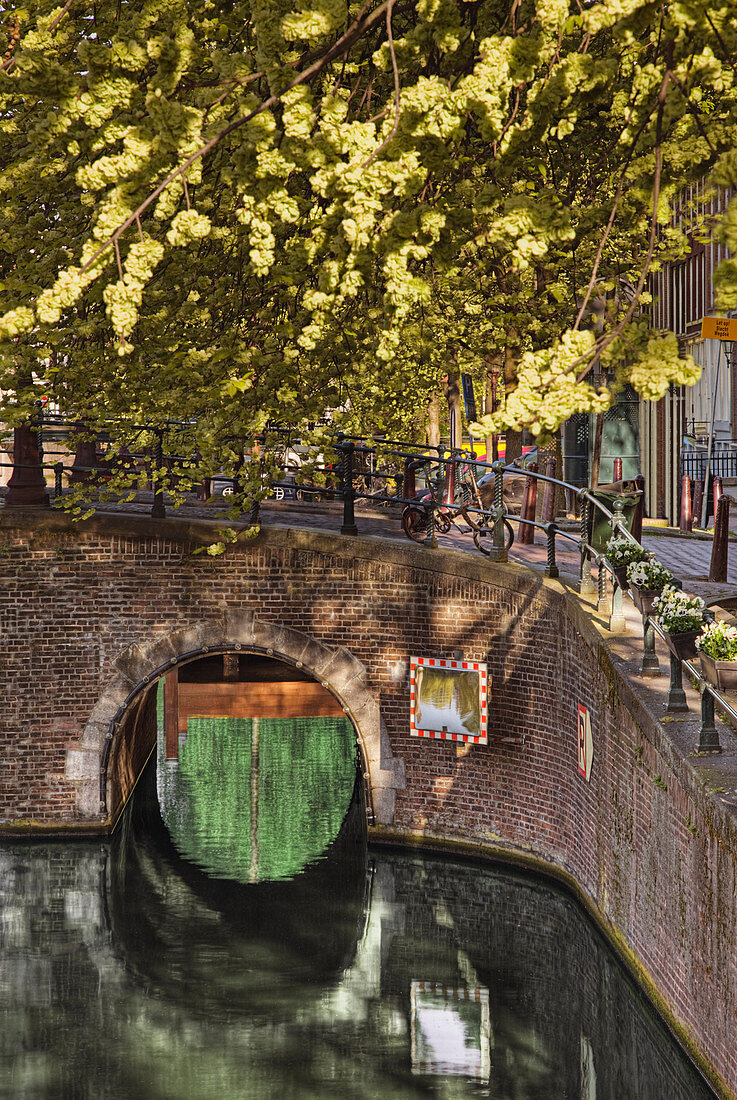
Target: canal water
{"x":237,"y":938}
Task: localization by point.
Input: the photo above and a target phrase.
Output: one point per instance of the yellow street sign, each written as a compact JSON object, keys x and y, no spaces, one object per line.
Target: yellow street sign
{"x":719,"y":328}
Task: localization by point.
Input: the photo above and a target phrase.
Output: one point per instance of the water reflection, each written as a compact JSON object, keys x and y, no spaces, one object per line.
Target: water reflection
{"x":450,"y":1030}
{"x":126,"y":972}
{"x":259,"y":799}
{"x":220,"y":944}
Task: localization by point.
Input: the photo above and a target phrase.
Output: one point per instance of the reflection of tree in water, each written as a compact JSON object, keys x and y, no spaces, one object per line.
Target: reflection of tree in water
{"x":454,"y":694}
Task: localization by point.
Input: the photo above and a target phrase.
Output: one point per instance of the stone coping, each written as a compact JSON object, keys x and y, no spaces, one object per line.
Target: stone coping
{"x":34,"y":526}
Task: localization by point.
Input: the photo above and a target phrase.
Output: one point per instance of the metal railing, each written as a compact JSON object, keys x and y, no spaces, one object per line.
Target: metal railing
{"x":708,"y":734}
{"x":723,"y":463}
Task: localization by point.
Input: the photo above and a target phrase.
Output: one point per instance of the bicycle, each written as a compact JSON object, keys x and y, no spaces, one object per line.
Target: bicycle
{"x":415,"y":516}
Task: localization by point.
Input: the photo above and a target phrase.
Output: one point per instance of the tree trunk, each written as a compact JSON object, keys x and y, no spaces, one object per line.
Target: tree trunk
{"x":432,"y":431}
{"x":553,"y":450}
{"x":513,"y":440}
{"x":491,"y":403}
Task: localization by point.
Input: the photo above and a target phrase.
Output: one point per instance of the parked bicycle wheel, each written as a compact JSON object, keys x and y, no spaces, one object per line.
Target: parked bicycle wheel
{"x":414,"y":522}
{"x":484,"y":538}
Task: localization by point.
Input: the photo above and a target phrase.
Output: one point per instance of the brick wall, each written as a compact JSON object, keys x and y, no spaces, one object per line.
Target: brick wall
{"x":649,"y":847}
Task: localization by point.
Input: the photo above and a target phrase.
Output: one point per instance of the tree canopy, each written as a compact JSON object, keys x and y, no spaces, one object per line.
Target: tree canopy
{"x":257,"y":210}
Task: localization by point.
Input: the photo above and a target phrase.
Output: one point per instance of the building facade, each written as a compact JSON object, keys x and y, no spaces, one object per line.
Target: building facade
{"x":675,"y":432}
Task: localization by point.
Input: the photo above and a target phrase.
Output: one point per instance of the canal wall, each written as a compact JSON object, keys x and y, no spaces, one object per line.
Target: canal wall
{"x":648,"y":840}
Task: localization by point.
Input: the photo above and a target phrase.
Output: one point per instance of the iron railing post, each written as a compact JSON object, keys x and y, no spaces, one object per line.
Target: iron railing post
{"x":708,"y":734}
{"x":39,"y":426}
{"x":676,"y":695}
{"x":347,"y":447}
{"x":603,"y":602}
{"x":617,"y":521}
{"x":431,"y":542}
{"x":617,"y":619}
{"x":498,"y":550}
{"x":58,"y":475}
{"x":650,"y":665}
{"x":158,"y":510}
{"x":586,"y":587}
{"x":551,"y":569}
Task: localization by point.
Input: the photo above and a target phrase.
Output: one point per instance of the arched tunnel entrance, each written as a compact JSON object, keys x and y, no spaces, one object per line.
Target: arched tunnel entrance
{"x":257,"y":766}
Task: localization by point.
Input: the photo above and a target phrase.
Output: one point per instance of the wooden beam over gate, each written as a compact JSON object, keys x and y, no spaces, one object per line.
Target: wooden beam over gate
{"x":283,"y":699}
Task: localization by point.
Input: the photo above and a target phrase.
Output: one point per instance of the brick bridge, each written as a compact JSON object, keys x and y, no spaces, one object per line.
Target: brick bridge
{"x":93,"y":614}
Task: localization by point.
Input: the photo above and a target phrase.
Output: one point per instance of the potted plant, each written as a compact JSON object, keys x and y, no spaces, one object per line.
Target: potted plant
{"x":621,"y":552}
{"x":646,"y":580}
{"x":681,"y":617}
{"x":717,"y":646}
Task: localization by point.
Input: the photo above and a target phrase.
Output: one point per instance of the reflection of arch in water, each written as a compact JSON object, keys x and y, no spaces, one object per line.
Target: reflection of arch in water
{"x":120,"y":732}
{"x":188,"y":935}
{"x":255,"y":799}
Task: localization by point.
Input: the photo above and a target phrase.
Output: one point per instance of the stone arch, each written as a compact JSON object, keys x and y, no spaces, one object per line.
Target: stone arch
{"x":141,"y":665}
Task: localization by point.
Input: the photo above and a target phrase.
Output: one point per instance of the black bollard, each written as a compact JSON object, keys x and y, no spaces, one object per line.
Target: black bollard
{"x":348,"y":491}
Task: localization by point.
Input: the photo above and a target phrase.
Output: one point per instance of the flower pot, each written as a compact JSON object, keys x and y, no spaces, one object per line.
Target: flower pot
{"x":643,"y":598}
{"x":722,"y":674}
{"x":683,"y":646}
{"x":620,"y":572}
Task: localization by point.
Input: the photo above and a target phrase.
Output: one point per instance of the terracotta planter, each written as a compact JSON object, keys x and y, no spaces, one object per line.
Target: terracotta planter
{"x":643,"y":598}
{"x":722,"y":674}
{"x":683,"y":646}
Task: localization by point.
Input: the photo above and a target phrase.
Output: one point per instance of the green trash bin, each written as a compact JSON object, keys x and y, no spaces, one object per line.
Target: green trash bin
{"x":599,"y":525}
